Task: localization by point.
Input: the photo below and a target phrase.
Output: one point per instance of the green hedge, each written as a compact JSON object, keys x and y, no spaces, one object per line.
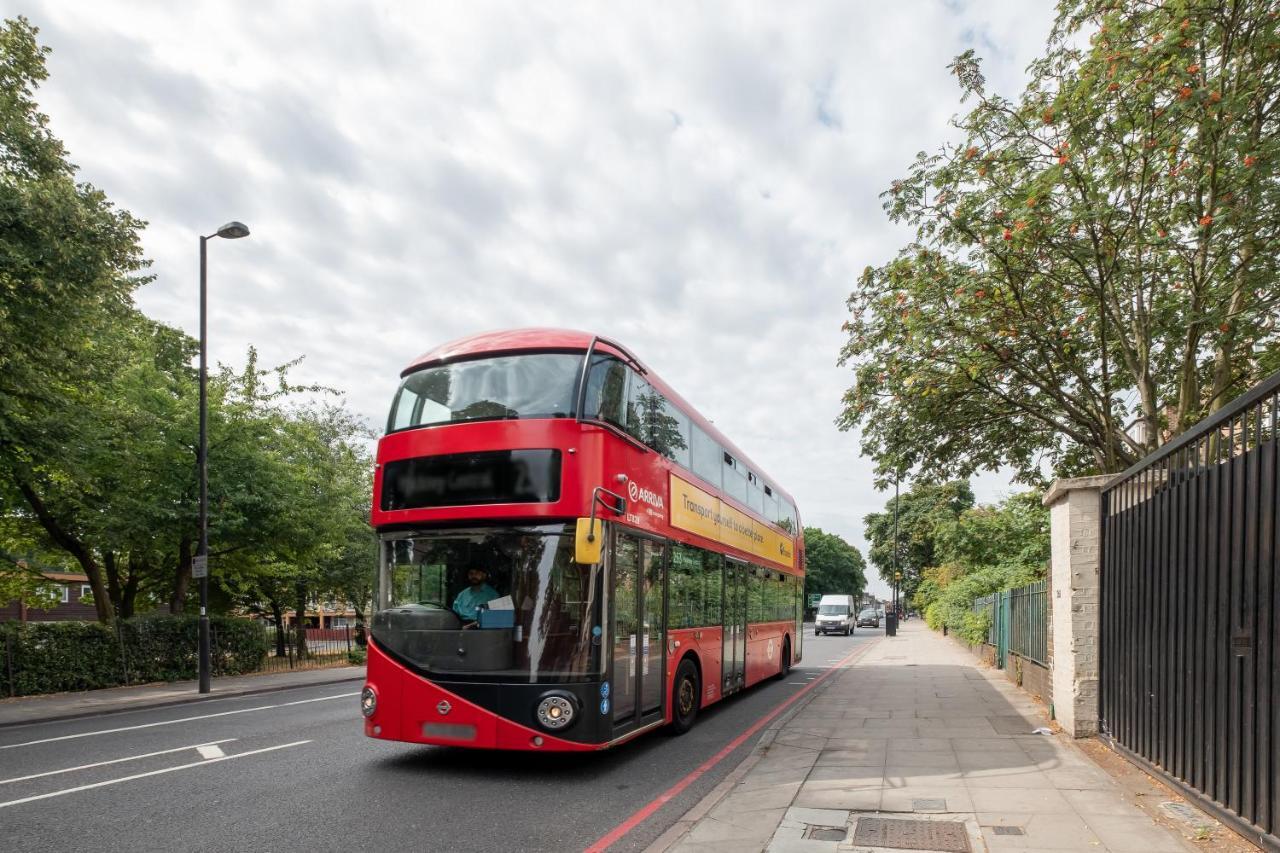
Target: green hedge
{"x":51,"y":657}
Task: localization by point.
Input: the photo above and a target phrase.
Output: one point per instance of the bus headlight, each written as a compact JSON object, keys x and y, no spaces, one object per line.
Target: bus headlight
{"x":556,"y":711}
{"x":368,"y":701}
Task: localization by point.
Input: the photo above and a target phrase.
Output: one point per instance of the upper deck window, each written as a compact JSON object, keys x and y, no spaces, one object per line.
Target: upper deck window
{"x":533,"y":385}
{"x":620,"y":396}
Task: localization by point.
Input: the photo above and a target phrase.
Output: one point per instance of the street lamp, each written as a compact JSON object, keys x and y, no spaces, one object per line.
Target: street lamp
{"x":891,"y":622}
{"x":230,"y":231}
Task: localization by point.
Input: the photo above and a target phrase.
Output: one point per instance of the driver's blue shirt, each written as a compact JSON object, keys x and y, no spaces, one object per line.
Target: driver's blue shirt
{"x":470,"y":599}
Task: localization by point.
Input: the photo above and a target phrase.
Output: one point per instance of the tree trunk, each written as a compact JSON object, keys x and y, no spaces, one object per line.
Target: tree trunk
{"x":1224,"y":352}
{"x":300,"y":621}
{"x":181,"y":577}
{"x":129,"y":593}
{"x":277,"y":613}
{"x":73,"y":546}
{"x":113,"y":580}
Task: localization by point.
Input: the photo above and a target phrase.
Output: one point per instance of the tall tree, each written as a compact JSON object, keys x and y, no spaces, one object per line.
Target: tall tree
{"x":832,"y":565}
{"x":924,"y":512}
{"x":1093,"y":265}
{"x":69,"y":262}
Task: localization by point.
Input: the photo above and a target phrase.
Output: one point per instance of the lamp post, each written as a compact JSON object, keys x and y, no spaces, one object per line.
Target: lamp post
{"x":891,"y":620}
{"x":230,"y":231}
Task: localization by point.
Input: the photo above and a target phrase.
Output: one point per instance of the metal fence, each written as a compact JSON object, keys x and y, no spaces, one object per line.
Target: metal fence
{"x":323,"y":647}
{"x":1019,"y":622}
{"x":1190,"y":640}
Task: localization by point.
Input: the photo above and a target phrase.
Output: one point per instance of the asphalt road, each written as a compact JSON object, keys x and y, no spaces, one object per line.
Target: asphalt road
{"x":293,"y":769}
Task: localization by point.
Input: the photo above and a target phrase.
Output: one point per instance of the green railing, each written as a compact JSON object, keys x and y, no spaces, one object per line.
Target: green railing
{"x":1019,"y":622}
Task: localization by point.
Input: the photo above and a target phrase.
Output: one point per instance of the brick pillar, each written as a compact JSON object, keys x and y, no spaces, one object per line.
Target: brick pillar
{"x":1075,"y":523}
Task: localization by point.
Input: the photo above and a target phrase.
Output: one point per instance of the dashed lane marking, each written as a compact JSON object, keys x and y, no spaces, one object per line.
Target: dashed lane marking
{"x":135,"y":776}
{"x":201,"y":746}
{"x":179,"y":720}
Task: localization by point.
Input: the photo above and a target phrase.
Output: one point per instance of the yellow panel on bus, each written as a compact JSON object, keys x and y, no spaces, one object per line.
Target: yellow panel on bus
{"x":698,"y":512}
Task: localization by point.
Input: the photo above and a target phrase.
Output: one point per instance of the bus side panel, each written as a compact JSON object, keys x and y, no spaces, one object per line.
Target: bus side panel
{"x":764,"y":650}
{"x":705,"y":643}
{"x":711,"y":649}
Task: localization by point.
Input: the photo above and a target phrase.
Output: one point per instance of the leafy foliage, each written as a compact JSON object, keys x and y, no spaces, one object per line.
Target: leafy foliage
{"x":832,"y":565}
{"x":924,"y":512}
{"x":99,"y":417}
{"x":983,"y":550}
{"x":1093,"y":265}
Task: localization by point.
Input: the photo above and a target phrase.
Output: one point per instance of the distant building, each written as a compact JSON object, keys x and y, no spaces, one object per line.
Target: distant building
{"x":71,"y":588}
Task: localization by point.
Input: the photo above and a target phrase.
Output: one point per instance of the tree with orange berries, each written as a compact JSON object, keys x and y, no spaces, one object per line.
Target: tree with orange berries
{"x":1094,"y":266}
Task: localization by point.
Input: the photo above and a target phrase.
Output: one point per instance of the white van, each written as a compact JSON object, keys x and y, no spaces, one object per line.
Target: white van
{"x":836,"y":615}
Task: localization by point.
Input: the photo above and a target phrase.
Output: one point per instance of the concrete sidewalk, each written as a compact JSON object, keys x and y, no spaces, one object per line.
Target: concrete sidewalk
{"x":67,"y":706}
{"x":918,"y":742}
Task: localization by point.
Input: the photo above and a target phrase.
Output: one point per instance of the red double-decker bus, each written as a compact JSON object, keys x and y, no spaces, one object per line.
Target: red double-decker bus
{"x":569,"y":554}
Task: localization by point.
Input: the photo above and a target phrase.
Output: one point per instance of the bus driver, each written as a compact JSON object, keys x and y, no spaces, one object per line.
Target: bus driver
{"x":479,"y":592}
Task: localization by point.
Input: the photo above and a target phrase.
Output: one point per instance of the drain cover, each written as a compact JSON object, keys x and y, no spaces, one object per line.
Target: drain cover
{"x":1007,"y":830}
{"x":929,"y":805}
{"x":1186,"y":814}
{"x":912,"y":834}
{"x":826,"y":833}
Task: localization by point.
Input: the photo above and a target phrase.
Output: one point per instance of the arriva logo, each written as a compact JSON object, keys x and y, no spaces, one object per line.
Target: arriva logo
{"x":637,"y":493}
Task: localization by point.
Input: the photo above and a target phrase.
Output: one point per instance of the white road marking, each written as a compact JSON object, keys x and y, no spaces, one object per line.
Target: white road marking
{"x":203,"y":746}
{"x":180,"y":720}
{"x":79,"y":788}
{"x":210,"y":751}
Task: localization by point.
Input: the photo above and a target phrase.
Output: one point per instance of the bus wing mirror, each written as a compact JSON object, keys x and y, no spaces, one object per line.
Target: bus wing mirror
{"x":589,"y":542}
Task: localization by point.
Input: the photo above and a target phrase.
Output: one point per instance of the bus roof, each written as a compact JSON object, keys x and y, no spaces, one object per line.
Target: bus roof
{"x":571,"y":340}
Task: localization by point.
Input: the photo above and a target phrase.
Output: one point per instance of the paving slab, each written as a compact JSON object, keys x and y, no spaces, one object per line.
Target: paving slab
{"x":917,"y":729}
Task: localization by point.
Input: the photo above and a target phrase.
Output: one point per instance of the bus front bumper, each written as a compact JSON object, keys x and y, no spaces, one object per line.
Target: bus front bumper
{"x":411,"y":709}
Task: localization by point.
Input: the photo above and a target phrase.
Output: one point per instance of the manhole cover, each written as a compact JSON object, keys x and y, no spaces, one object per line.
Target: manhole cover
{"x":912,"y":834}
{"x":929,"y":805}
{"x":825,"y":833}
{"x":1007,"y":830}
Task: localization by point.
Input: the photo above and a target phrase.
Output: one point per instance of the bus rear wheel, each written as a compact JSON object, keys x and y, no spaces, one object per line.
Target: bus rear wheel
{"x":784,"y":666}
{"x":685,"y":695}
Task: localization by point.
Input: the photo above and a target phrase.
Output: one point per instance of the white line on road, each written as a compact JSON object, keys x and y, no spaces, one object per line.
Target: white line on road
{"x":149,"y":773}
{"x":200,"y":747}
{"x":210,"y":751}
{"x":180,"y":720}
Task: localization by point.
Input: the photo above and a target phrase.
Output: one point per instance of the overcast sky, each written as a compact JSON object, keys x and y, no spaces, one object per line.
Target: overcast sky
{"x":699,"y":181}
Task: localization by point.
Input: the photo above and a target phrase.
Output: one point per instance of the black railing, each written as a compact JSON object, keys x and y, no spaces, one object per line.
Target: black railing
{"x":1189,"y":597}
{"x":323,"y":647}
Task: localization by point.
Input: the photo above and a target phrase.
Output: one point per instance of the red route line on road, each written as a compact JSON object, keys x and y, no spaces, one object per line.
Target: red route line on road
{"x":620,"y":831}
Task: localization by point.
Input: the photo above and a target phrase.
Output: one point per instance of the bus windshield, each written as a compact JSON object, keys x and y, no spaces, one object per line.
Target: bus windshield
{"x":531,"y":385}
{"x":493,"y":602}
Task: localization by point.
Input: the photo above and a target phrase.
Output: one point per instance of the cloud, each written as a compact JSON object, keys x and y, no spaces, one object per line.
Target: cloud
{"x":699,"y":181}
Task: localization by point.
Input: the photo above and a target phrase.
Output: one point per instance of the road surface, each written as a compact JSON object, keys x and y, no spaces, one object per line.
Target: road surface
{"x":292,"y":769}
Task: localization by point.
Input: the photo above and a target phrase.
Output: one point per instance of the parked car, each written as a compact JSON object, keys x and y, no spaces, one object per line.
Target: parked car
{"x":835,"y":615}
{"x":869,"y":618}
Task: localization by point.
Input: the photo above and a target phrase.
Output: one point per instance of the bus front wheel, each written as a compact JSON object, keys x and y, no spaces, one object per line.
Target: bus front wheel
{"x":687,"y":691}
